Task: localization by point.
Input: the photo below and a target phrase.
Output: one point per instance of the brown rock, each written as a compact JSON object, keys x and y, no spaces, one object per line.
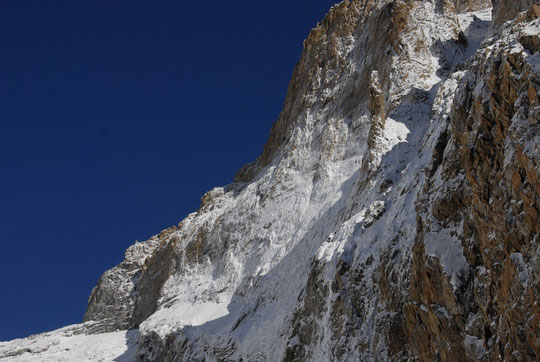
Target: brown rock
{"x":504,"y":10}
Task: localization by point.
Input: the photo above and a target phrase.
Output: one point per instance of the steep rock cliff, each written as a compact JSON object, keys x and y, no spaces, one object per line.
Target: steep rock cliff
{"x":393,"y":213}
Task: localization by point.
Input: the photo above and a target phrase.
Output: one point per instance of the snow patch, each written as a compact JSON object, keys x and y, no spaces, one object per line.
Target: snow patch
{"x":474,"y":346}
{"x":186,"y":314}
{"x":449,"y":252}
{"x":521,"y":268}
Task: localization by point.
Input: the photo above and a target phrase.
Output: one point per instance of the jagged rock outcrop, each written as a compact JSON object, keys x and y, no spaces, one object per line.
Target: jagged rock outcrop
{"x":504,"y":10}
{"x":377,"y":109}
{"x":113,"y":298}
{"x":393,"y":214}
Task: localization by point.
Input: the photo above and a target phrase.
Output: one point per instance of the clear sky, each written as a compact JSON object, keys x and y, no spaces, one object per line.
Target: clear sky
{"x":116,"y":116}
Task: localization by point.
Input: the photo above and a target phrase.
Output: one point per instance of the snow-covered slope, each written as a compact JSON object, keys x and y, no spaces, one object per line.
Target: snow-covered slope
{"x":389,"y":217}
{"x":73,"y":343}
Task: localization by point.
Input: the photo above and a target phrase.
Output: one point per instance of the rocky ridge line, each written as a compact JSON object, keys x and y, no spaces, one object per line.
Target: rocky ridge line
{"x":393,"y":214}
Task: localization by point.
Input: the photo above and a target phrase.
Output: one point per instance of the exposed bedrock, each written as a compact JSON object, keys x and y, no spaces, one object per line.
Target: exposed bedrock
{"x":393,"y":213}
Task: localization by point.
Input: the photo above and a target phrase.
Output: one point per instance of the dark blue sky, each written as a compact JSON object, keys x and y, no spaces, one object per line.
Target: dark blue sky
{"x":116,"y":116}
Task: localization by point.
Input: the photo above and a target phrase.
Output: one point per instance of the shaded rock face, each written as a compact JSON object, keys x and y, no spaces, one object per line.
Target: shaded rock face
{"x":463,"y":6}
{"x":113,"y":298}
{"x":504,"y":10}
{"x":154,"y":273}
{"x":393,"y":214}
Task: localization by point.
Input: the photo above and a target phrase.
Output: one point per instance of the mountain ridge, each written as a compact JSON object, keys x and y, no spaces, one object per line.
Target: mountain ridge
{"x":393,"y":213}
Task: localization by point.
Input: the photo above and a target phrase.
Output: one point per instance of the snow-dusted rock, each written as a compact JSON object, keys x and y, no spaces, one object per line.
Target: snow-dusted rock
{"x":393,"y":214}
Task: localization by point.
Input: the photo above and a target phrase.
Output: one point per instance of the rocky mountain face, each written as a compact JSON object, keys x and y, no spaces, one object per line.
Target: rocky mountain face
{"x":393,"y":213}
